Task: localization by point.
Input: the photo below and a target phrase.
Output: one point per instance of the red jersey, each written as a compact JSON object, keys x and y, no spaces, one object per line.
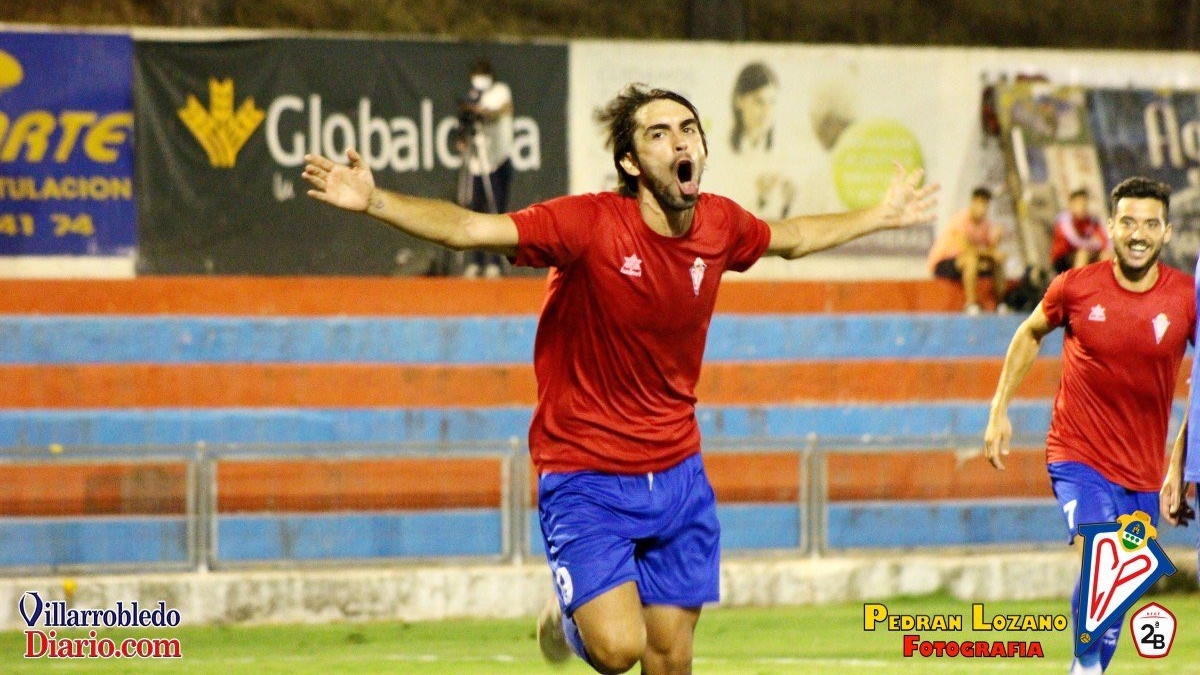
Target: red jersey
{"x":1088,"y":233}
{"x":1121,"y":355}
{"x":622,"y":331}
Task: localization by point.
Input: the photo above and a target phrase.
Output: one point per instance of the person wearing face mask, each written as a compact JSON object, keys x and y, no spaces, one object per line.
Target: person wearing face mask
{"x":486,"y":123}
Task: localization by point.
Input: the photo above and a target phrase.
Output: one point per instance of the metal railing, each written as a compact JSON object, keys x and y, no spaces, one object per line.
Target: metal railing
{"x":207,"y":525}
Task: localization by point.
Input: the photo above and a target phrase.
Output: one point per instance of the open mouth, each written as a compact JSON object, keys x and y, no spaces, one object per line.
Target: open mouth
{"x":1138,"y":247}
{"x":685,"y":172}
{"x":1137,"y":253}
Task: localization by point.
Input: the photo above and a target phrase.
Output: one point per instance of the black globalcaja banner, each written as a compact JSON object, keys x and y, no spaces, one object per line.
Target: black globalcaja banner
{"x":222,"y":128}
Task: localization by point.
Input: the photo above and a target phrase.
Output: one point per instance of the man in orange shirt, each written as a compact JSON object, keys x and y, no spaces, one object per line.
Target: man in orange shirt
{"x":969,"y":246}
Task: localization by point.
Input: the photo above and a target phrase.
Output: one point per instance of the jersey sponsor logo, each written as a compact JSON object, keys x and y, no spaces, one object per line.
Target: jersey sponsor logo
{"x":632,"y":266}
{"x":1160,"y":323}
{"x":1121,"y":561}
{"x":1097,"y":313}
{"x":697,"y":272}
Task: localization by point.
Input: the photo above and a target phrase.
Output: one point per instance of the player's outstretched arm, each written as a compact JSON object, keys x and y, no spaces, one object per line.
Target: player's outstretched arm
{"x":352,"y":187}
{"x":1022,"y":352}
{"x":905,"y":204}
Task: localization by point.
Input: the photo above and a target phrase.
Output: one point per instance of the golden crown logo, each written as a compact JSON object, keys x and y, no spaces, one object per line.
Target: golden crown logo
{"x":220,"y":131}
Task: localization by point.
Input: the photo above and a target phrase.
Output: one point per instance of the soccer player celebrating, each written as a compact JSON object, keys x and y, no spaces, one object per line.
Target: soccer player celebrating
{"x":626,"y":510}
{"x":1127,"y":325}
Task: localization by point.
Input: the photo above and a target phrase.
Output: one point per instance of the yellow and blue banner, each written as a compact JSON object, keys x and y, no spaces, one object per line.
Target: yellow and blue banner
{"x":66,"y":144}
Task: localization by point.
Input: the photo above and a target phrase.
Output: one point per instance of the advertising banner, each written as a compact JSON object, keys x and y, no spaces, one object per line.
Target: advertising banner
{"x":223,"y":128}
{"x":1062,"y":138}
{"x":1141,"y":132}
{"x":1051,"y":152}
{"x":66,"y":145}
{"x":791,"y":129}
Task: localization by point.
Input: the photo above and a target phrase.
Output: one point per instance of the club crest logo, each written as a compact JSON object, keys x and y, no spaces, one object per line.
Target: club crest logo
{"x":697,"y":272}
{"x":1121,"y":561}
{"x":1160,"y":323}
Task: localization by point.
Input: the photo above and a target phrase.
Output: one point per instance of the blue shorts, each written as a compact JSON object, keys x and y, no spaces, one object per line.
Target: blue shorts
{"x":659,"y":530}
{"x":1087,"y":497}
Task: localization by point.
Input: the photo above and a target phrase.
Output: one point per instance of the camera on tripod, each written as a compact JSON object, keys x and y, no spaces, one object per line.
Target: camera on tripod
{"x":468,"y":119}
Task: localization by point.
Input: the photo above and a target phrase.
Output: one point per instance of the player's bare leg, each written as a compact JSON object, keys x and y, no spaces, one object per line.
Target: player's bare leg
{"x":613,"y":629}
{"x":609,"y":630}
{"x":968,"y":266}
{"x":669,"y":638}
{"x":999,"y":279}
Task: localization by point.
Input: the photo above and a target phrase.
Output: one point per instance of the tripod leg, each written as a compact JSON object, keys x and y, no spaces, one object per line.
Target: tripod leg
{"x":485,"y":174}
{"x":492,"y":262}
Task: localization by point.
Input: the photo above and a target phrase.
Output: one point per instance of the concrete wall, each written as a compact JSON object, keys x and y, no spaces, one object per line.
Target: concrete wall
{"x":441,"y":592}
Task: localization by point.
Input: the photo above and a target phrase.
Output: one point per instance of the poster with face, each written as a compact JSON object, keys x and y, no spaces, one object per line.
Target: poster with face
{"x":790,"y":130}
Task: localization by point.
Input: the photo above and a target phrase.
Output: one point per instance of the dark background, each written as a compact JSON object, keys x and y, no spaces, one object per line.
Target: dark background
{"x":1091,"y":24}
{"x":185,"y":222}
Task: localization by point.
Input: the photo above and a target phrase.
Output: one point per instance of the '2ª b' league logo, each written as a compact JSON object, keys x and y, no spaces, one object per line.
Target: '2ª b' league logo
{"x":1121,"y":561}
{"x":1153,"y":631}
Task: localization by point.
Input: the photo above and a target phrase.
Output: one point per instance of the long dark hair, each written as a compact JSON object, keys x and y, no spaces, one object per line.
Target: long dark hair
{"x":754,"y":76}
{"x":620,"y":116}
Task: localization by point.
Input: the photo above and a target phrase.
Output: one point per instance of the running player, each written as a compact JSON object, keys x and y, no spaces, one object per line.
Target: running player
{"x":1127,"y":325}
{"x":626,"y":510}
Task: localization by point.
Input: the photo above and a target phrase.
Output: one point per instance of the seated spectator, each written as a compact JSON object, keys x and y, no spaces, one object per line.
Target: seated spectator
{"x":1079,"y":237}
{"x":968,"y":247}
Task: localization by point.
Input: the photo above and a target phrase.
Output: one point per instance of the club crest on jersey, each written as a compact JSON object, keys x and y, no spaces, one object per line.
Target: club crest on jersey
{"x":1121,"y":561}
{"x":1160,"y":323}
{"x":1097,"y":313}
{"x":632,"y":266}
{"x":697,"y":270}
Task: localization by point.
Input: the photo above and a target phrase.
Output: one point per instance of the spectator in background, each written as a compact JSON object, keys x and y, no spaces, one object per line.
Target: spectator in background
{"x":487,"y":127}
{"x":967,"y":248}
{"x":1079,"y":237}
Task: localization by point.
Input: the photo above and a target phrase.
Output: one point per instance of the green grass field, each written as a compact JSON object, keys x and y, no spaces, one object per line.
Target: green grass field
{"x":783,"y":641}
